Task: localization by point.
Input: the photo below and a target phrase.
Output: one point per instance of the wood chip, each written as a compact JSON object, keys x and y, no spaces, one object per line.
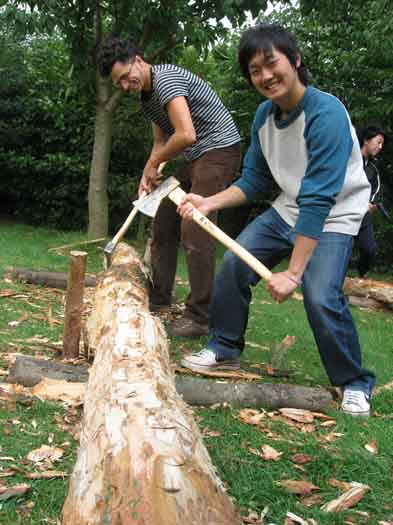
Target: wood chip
{"x":16,"y":490}
{"x":348,"y":499}
{"x":301,"y":487}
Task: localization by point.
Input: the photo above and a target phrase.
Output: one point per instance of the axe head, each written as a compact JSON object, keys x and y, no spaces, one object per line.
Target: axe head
{"x":150,"y":203}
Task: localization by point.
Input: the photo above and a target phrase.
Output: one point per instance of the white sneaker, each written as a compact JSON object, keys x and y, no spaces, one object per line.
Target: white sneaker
{"x":205,"y":360}
{"x":355,"y":403}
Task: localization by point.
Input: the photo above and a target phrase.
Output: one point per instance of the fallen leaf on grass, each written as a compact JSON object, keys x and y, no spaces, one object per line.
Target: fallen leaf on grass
{"x":342,"y":485}
{"x":332,"y":436}
{"x":45,"y":453}
{"x":301,"y":487}
{"x":372,"y":447}
{"x":16,"y":490}
{"x":297,"y":414}
{"x":270,"y":454}
{"x":301,"y":459}
{"x":267,"y":453}
{"x":255,"y":518}
{"x":251,"y":416}
{"x":310,"y":501}
{"x":350,"y":498}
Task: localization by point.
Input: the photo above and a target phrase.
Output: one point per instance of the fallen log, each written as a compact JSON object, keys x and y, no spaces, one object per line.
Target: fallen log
{"x":253,"y":395}
{"x":29,"y":371}
{"x":42,"y":277}
{"x":141,"y":458}
{"x":379,"y":291}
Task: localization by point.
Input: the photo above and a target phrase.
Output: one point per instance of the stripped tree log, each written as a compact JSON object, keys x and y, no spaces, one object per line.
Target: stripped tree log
{"x":369,"y":293}
{"x":141,"y":458}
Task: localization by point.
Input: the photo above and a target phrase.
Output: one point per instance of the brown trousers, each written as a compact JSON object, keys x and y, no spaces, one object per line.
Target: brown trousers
{"x":212,"y":172}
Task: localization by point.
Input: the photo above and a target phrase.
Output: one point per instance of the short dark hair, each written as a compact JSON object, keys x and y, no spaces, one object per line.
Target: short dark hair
{"x":115,"y":50}
{"x":263,"y":37}
{"x":369,"y":132}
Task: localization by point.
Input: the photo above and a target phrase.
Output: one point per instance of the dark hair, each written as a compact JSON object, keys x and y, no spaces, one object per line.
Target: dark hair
{"x":263,"y":37}
{"x":115,"y":50}
{"x":369,"y":132}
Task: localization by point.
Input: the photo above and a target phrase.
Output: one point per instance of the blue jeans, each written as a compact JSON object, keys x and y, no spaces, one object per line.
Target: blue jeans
{"x":271,"y":239}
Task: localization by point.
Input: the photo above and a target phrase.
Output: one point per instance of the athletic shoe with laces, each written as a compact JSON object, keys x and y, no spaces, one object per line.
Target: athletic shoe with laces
{"x":355,"y":403}
{"x":206,"y":360}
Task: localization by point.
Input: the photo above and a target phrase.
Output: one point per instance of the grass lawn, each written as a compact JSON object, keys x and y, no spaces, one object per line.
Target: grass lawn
{"x":337,"y":452}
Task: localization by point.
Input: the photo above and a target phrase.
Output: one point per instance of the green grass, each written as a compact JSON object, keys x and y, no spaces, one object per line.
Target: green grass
{"x":252,"y":482}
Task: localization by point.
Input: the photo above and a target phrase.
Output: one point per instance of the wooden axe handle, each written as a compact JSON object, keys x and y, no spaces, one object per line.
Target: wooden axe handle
{"x":176,"y":196}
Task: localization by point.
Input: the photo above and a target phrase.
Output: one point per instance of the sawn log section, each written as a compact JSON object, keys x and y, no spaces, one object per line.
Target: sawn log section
{"x":141,"y":458}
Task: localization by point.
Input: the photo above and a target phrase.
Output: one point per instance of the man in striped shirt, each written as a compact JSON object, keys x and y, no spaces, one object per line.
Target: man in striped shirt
{"x":187,"y":119}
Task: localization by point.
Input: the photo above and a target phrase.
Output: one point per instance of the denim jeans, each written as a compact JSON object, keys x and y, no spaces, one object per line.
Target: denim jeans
{"x":270,"y":239}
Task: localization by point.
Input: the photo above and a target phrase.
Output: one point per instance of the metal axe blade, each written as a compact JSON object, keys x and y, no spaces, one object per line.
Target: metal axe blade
{"x":150,"y":203}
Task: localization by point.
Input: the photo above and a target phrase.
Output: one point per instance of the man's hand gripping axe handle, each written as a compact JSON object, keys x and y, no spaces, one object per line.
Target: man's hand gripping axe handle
{"x":110,"y":247}
{"x":177,"y":195}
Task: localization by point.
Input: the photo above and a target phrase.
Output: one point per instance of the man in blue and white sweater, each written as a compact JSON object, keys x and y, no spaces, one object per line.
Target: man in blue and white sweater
{"x":303,"y":139}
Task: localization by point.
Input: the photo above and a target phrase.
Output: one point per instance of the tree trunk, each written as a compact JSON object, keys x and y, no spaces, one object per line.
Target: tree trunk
{"x":141,"y":458}
{"x":98,"y":197}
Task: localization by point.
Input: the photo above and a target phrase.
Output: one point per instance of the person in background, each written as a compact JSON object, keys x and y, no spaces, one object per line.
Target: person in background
{"x":303,"y":139}
{"x":371,"y":139}
{"x":188,"y":119}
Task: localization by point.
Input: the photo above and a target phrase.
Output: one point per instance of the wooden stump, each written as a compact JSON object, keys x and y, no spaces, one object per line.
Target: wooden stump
{"x":74,"y":304}
{"x":141,"y":458}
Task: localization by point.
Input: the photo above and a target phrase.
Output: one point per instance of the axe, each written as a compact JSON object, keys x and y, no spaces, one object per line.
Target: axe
{"x":171,"y":188}
{"x":110,"y":247}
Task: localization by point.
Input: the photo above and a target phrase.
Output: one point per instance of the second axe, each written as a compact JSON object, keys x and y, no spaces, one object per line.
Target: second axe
{"x":171,"y":188}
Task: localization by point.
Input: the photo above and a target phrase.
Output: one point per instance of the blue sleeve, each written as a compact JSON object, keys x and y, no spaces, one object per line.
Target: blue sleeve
{"x":329,"y":145}
{"x":255,"y":177}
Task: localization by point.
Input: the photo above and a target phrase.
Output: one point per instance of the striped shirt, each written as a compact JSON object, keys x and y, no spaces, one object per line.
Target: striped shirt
{"x":214,"y":125}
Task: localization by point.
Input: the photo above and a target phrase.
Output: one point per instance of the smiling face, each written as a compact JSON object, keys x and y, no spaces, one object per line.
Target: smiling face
{"x":373,"y":146}
{"x":276,"y":78}
{"x":130,"y":76}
